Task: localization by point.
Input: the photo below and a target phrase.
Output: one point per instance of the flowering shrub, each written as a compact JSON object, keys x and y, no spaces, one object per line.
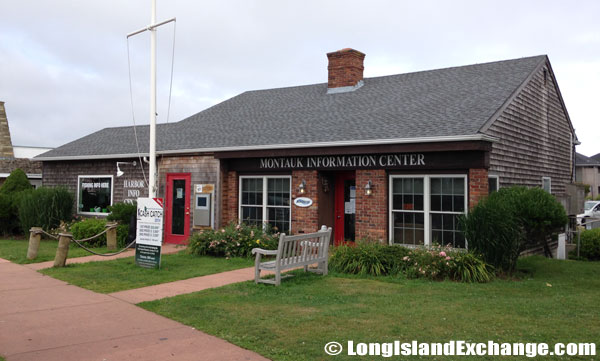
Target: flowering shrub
{"x":234,"y":240}
{"x":439,"y":263}
{"x":436,"y":263}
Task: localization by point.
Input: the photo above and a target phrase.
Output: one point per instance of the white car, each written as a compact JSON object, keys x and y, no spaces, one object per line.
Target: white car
{"x":590,"y":209}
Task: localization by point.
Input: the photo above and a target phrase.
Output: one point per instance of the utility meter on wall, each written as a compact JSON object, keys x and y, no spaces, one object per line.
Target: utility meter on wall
{"x":203,"y":205}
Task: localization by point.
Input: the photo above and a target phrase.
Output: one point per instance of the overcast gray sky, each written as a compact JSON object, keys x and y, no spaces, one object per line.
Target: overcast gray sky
{"x":63,"y":64}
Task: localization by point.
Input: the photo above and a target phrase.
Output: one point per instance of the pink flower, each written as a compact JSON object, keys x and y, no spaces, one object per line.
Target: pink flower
{"x":443,"y":254}
{"x":223,"y":230}
{"x":448,"y":258}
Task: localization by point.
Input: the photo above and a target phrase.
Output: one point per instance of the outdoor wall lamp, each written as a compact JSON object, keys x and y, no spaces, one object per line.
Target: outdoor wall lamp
{"x":369,"y":188}
{"x":119,"y":171}
{"x":302,"y":187}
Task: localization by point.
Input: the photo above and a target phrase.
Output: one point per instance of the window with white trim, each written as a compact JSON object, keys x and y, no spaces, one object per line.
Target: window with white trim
{"x":493,"y":183}
{"x":408,"y":212}
{"x":448,"y":201}
{"x":424,"y":210}
{"x":547,"y":184}
{"x":94,"y":194}
{"x":266,"y":200}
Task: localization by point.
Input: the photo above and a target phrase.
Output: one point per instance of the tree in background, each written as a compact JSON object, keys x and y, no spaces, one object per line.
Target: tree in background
{"x":10,"y":193}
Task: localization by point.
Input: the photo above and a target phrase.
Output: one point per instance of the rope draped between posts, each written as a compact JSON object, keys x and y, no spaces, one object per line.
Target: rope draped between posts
{"x":44,"y":232}
{"x":103,"y":254}
{"x":108,"y":228}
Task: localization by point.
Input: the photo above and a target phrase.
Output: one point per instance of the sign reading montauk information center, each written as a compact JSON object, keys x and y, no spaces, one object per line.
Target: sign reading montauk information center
{"x":149,"y":232}
{"x":345,"y":161}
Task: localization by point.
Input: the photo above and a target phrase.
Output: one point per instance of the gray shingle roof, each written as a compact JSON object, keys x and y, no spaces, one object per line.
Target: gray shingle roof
{"x":444,"y":102}
{"x":582,"y":160}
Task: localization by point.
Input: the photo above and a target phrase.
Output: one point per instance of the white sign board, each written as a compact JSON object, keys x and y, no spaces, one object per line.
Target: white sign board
{"x":149,"y":232}
{"x":303,"y":202}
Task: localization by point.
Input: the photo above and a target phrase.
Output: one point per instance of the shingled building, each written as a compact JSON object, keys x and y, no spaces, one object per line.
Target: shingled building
{"x":395,"y":157}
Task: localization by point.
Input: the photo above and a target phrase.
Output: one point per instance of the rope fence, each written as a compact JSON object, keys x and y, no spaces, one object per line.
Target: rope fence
{"x":103,"y":254}
{"x":64,"y":239}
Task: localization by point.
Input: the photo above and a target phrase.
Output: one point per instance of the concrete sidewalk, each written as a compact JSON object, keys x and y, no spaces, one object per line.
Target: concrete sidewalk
{"x":42,"y":318}
{"x":167,"y":248}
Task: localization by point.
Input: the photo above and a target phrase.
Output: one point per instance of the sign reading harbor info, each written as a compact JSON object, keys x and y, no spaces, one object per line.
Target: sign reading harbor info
{"x":149,"y":232}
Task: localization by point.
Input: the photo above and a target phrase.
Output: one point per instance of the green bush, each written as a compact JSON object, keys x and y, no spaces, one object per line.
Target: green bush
{"x":90,"y":227}
{"x":494,"y":231}
{"x":10,"y":194}
{"x":16,"y":182}
{"x":122,"y":212}
{"x":590,"y":245}
{"x":122,"y":232}
{"x":376,"y":259}
{"x":510,"y":221}
{"x":45,"y":207}
{"x":232,"y":241}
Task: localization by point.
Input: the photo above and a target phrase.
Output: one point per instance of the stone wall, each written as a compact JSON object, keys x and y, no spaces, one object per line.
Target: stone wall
{"x":6,"y":150}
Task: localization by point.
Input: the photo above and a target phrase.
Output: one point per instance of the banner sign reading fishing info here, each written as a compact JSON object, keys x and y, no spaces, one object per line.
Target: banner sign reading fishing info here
{"x":149,"y":232}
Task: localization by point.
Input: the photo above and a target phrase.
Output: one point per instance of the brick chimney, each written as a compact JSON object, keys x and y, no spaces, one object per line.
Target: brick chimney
{"x":345,"y":68}
{"x":6,"y":149}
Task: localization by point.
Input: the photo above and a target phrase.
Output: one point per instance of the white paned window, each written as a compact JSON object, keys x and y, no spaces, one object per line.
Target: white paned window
{"x":547,"y":184}
{"x":94,"y":194}
{"x":424,"y":210}
{"x":266,"y":200}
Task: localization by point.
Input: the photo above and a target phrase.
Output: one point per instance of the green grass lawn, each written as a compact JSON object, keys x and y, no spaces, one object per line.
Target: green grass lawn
{"x":555,"y":301}
{"x":123,"y":274}
{"x":15,"y":250}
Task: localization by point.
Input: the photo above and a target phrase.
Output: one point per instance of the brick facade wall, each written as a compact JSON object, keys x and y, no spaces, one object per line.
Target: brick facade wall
{"x":229,"y":197}
{"x":478,"y":185}
{"x":372,"y":211}
{"x":305,"y":220}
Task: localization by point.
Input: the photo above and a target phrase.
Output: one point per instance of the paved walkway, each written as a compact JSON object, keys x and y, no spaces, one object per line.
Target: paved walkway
{"x":167,"y":248}
{"x":190,"y":285}
{"x":42,"y":318}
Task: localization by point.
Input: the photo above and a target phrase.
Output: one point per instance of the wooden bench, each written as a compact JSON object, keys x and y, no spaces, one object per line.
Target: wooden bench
{"x":294,"y":252}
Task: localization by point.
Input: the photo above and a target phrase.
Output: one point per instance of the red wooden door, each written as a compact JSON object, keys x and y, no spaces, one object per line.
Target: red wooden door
{"x":177,"y":195}
{"x":345,"y":195}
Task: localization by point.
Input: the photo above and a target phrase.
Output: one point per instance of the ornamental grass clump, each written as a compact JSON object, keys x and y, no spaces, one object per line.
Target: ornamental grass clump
{"x":234,"y":240}
{"x":367,"y":258}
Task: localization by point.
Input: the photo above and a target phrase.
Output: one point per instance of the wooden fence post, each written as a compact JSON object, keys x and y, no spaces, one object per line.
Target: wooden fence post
{"x":111,"y":236}
{"x":64,"y":239}
{"x":35,"y":236}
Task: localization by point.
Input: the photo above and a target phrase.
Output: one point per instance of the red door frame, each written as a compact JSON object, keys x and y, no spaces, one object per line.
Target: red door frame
{"x":339,"y":212}
{"x":177,"y":238}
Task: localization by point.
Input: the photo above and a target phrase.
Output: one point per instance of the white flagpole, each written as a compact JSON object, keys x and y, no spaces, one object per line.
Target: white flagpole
{"x":153,"y":173}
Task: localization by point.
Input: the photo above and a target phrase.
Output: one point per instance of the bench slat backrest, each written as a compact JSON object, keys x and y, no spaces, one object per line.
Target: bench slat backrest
{"x":302,"y":248}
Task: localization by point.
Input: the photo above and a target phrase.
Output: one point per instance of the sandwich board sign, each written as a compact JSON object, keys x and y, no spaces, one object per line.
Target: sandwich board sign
{"x":149,"y":232}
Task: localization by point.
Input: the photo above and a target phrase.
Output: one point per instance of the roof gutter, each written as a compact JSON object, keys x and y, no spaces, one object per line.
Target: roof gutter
{"x":343,"y":143}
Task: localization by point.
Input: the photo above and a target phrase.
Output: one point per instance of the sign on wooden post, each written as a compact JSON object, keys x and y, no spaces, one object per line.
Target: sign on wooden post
{"x":149,"y":232}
